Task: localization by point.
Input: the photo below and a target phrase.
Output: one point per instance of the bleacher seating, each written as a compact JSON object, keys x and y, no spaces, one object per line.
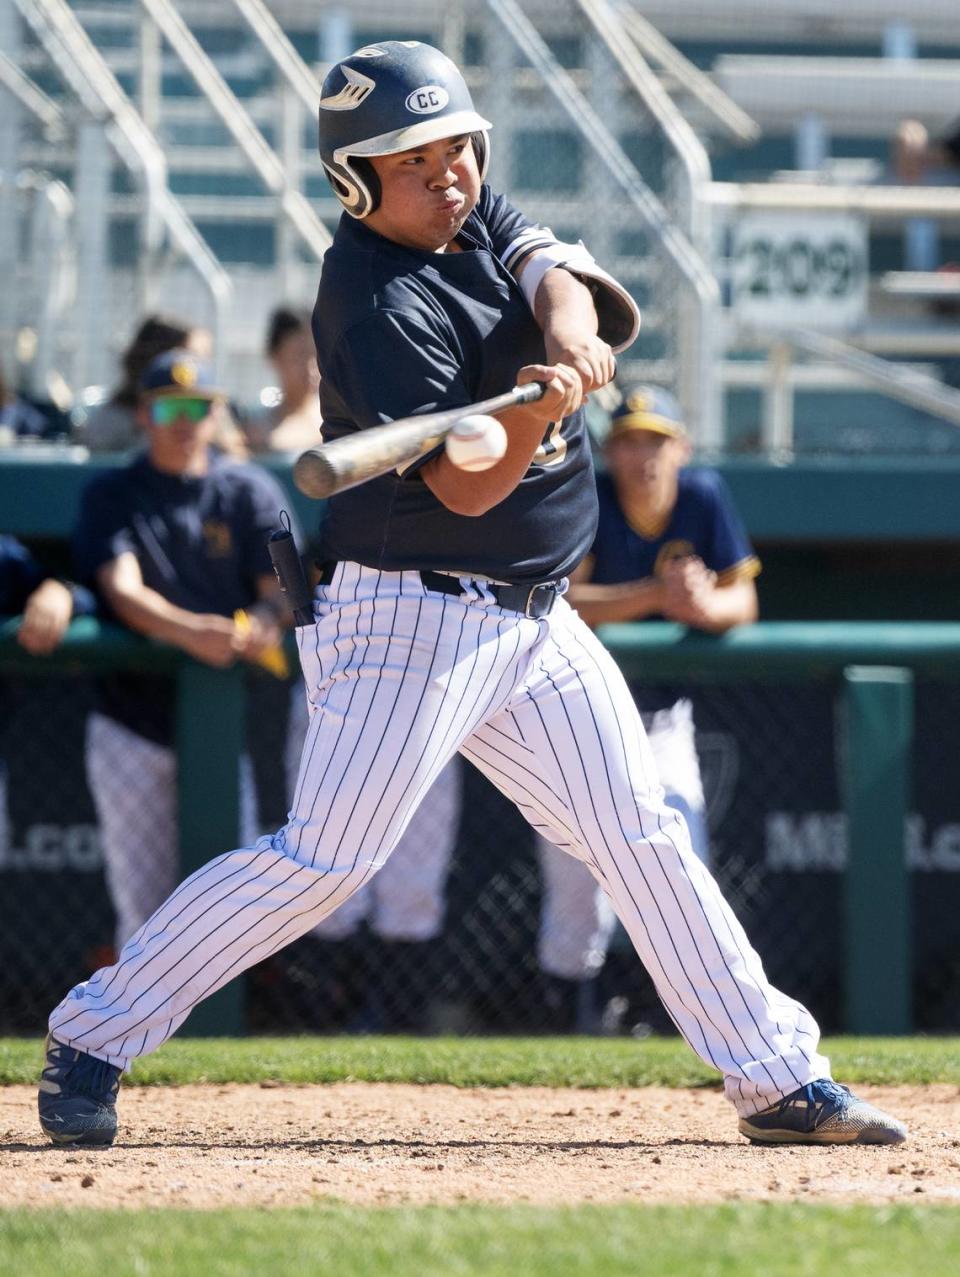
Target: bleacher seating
{"x":799,"y":52}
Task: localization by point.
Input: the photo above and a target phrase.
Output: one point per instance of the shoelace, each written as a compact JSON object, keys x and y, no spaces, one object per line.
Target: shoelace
{"x":822,"y":1092}
{"x":829,"y":1090}
{"x":88,"y":1075}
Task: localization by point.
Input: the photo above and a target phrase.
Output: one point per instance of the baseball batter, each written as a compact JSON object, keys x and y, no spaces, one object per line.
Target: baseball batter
{"x":440,"y":625}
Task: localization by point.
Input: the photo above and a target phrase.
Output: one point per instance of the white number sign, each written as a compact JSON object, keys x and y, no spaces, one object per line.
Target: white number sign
{"x":798,"y":270}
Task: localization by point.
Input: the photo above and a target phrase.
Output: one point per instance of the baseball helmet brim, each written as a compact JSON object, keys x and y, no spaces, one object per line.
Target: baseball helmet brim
{"x":413,"y":135}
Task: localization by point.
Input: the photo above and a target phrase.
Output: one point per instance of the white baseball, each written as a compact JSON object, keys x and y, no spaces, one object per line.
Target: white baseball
{"x":477,"y":442}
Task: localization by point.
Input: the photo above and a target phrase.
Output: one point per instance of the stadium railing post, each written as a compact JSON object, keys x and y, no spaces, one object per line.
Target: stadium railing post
{"x":210,"y":729}
{"x":876,"y":769}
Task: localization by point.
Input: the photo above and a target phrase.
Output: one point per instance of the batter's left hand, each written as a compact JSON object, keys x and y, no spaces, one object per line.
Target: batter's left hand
{"x":587,"y":354}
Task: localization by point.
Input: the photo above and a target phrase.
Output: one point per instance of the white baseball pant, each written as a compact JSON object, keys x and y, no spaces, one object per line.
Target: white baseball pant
{"x":400,"y":678}
{"x":576,"y":920}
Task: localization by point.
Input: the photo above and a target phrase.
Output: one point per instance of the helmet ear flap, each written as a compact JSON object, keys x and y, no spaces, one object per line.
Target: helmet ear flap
{"x":368,"y":178}
{"x":481,"y":149}
{"x":356,"y":185}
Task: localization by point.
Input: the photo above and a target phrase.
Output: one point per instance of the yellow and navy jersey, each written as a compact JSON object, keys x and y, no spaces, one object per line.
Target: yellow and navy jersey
{"x":201,"y":542}
{"x":400,"y":332}
{"x":704,"y":522}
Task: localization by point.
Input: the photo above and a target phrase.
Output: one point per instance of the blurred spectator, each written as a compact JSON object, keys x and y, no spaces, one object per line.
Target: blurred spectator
{"x":918,"y":160}
{"x":950,"y":146}
{"x":47,"y":604}
{"x":294,"y":423}
{"x":18,"y":418}
{"x":114,"y":425}
{"x":176,"y":544}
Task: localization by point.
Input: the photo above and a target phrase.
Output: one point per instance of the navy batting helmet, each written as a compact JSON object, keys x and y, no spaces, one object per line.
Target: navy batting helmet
{"x":386,"y":98}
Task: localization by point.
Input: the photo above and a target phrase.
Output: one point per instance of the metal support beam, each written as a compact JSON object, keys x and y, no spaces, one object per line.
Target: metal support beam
{"x":210,"y":726}
{"x":92,"y":193}
{"x":876,"y":770}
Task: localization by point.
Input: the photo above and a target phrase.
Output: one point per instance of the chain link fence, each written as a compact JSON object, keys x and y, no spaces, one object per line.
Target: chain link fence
{"x":777,"y":845}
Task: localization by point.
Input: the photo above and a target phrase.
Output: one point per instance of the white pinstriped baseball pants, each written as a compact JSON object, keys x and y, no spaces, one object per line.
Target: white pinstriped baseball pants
{"x":398,"y":679}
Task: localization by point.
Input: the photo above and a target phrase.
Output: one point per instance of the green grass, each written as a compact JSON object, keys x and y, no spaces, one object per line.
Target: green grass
{"x":584,"y":1062}
{"x":759,"y":1240}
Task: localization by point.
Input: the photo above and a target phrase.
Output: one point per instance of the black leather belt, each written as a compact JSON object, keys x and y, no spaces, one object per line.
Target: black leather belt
{"x":530,"y":600}
{"x":534,"y":601}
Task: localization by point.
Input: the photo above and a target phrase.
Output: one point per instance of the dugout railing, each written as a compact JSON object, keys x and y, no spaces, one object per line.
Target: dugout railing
{"x":871,"y":666}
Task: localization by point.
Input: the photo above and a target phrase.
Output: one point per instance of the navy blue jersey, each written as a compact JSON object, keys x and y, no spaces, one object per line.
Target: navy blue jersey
{"x":703,"y":522}
{"x":201,"y":542}
{"x":400,"y":331}
{"x":20,"y":574}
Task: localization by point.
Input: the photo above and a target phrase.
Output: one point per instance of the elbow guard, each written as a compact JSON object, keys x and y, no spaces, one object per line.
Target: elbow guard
{"x":535,"y":249}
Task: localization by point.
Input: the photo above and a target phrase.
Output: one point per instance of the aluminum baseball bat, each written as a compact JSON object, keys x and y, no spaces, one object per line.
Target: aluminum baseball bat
{"x":347,"y":462}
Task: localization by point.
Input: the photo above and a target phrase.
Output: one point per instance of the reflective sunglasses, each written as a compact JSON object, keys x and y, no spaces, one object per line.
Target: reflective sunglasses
{"x":164,"y":412}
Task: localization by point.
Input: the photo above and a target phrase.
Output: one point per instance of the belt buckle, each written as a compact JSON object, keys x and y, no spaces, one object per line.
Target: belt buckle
{"x":529,"y":608}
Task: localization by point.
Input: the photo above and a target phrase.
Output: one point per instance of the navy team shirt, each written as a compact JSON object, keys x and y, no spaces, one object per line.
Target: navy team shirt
{"x":400,"y":331}
{"x":704,"y":522}
{"x":201,"y":542}
{"x":21,"y":574}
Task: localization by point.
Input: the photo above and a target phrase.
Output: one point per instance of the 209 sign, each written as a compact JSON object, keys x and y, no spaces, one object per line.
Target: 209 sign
{"x":792,"y":270}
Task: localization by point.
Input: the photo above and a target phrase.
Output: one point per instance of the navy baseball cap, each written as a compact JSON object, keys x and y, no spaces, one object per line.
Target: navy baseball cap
{"x":179,"y":372}
{"x":648,"y":408}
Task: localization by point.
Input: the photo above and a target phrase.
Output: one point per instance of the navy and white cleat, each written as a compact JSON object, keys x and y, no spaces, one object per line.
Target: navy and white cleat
{"x":78,"y":1096}
{"x":823,"y":1112}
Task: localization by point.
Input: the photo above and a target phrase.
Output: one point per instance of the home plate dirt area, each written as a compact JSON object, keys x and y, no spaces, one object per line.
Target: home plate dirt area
{"x":381,"y":1144}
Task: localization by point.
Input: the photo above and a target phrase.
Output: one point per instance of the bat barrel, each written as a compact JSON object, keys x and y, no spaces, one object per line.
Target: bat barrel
{"x":344,"y":463}
{"x":314,"y":475}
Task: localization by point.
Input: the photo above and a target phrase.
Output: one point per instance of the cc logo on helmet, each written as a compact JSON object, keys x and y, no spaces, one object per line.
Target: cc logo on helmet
{"x":426,"y":100}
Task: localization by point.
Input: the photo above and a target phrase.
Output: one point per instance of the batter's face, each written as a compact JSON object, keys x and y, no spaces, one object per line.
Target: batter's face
{"x":427,"y":193}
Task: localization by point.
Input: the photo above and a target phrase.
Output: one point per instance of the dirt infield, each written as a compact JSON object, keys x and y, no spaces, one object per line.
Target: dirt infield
{"x":210,"y":1146}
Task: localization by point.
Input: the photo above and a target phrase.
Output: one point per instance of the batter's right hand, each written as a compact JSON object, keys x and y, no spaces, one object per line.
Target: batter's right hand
{"x":212,"y":639}
{"x":564,"y":393}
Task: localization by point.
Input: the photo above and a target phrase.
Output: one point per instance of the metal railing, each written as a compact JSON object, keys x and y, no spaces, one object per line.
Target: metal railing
{"x":906,"y":385}
{"x":33,"y":98}
{"x":876,"y":758}
{"x":720,"y":107}
{"x":697,"y":378}
{"x":677,"y":243}
{"x":86,"y":73}
{"x":264,"y":160}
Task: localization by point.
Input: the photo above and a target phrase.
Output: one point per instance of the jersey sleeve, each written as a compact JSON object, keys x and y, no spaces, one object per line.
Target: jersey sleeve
{"x":513,"y":237}
{"x":520,"y":243}
{"x":392,"y":365}
{"x":20,"y":574}
{"x":104,"y":528}
{"x":729,"y":552}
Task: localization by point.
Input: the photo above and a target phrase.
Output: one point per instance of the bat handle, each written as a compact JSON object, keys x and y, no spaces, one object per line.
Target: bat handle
{"x":530,"y":393}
